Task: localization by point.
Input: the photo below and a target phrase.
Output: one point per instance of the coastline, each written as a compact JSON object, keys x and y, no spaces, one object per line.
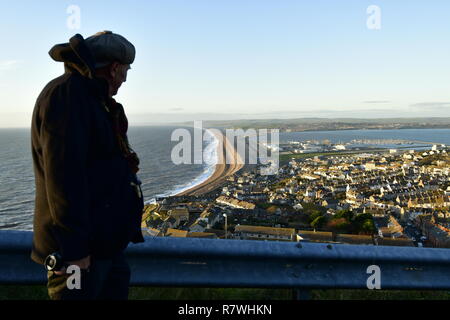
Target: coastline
{"x":226,"y":166}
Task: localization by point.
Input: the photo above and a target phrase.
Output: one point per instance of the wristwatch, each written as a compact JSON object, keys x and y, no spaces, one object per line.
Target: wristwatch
{"x":54,"y":262}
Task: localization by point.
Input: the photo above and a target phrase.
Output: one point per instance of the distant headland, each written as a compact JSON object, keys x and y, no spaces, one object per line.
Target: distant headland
{"x":332,"y":124}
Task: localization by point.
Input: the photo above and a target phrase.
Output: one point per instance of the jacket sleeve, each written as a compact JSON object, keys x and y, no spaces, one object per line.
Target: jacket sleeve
{"x":64,"y":140}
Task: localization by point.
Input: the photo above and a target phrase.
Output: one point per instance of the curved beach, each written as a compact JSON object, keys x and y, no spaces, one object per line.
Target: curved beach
{"x":223,"y":169}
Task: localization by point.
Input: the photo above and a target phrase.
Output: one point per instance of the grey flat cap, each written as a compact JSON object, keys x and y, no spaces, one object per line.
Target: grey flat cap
{"x":108,"y":47}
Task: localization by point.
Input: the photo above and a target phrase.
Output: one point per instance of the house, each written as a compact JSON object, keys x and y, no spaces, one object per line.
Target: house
{"x":354,"y":239}
{"x":310,"y":193}
{"x":316,"y":236}
{"x":443,"y":215}
{"x":148,"y":210}
{"x":264,"y":233}
{"x":401,"y":242}
{"x":198,"y":226}
{"x":213,"y":218}
{"x":182,"y":213}
{"x":151,"y":232}
{"x":155,"y":223}
{"x":219,"y":233}
{"x":176,"y":233}
{"x":172,"y":222}
{"x":437,"y":235}
{"x":388,"y":226}
{"x":235,"y":203}
{"x":330,"y":204}
{"x":204,"y":235}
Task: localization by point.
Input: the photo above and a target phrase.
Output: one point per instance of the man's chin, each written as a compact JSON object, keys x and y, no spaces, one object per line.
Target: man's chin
{"x":115,"y":91}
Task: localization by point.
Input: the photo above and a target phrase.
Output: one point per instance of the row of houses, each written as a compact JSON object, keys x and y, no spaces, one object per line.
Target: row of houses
{"x":438,"y":235}
{"x":246,"y":232}
{"x":177,"y":233}
{"x":235,"y":203}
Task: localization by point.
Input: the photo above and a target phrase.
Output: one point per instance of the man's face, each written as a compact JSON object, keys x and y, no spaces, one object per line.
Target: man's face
{"x":118,"y":76}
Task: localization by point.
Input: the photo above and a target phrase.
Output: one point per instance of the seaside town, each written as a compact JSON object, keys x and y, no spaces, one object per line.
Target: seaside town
{"x":394,"y":197}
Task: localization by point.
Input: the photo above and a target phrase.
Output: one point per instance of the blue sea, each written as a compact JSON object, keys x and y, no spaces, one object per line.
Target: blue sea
{"x":159,"y":175}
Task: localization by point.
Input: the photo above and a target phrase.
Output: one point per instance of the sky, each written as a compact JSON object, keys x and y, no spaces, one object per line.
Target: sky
{"x":229,"y":59}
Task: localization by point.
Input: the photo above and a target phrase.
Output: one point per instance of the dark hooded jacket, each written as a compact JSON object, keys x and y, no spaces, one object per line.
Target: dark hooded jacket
{"x":86,"y":199}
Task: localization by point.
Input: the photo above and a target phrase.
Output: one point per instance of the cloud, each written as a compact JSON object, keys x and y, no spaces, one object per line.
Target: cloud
{"x":176,"y":109}
{"x":8,"y":64}
{"x":377,"y":101}
{"x":431,"y":105}
{"x":438,"y":109}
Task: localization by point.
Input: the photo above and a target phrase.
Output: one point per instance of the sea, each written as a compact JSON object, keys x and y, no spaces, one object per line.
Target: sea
{"x":160,"y":176}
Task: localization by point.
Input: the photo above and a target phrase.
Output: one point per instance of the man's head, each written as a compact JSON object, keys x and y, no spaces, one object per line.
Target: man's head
{"x":113,"y":55}
{"x":115,"y":73}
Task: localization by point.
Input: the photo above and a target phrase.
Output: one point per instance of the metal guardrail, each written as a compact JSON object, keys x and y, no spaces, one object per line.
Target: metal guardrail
{"x":186,"y":262}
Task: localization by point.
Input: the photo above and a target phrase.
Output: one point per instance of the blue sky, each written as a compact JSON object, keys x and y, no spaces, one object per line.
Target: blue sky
{"x":243,"y":58}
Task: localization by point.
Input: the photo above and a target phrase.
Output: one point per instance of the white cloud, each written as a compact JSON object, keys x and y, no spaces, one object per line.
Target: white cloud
{"x":377,"y":101}
{"x":431,"y":105}
{"x":8,"y":64}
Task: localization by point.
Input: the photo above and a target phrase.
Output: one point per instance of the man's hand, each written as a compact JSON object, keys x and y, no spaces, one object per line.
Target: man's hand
{"x":82,"y":263}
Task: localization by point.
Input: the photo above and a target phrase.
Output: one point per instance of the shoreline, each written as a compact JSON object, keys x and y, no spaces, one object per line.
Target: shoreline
{"x":226,"y":166}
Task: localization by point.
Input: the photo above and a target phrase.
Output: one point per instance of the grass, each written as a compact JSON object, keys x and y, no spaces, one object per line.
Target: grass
{"x":379,"y":295}
{"x":39,"y":292}
{"x":21,"y":292}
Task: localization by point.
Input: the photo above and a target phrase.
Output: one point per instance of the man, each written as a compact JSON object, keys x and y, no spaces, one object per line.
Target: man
{"x":88,"y":198}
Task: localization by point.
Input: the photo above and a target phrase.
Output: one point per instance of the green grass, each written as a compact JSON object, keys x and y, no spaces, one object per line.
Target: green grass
{"x":38,"y":292}
{"x":143,"y":293}
{"x":18,"y":292}
{"x":379,"y":295}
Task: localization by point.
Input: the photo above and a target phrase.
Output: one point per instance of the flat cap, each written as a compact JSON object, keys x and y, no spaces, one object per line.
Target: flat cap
{"x":108,"y":47}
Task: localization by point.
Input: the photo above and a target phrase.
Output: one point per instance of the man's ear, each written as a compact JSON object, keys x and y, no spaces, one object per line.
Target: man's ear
{"x":113,"y":69}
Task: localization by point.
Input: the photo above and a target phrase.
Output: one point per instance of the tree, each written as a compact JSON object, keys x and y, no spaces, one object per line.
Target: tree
{"x":314,"y":215}
{"x":339,"y":225}
{"x":311,"y":208}
{"x":368,"y":227}
{"x":346,"y":214}
{"x":363,"y":223}
{"x":272,"y":209}
{"x":318,"y":222}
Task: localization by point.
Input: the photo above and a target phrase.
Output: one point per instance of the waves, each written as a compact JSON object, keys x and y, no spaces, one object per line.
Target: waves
{"x":210,"y":159}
